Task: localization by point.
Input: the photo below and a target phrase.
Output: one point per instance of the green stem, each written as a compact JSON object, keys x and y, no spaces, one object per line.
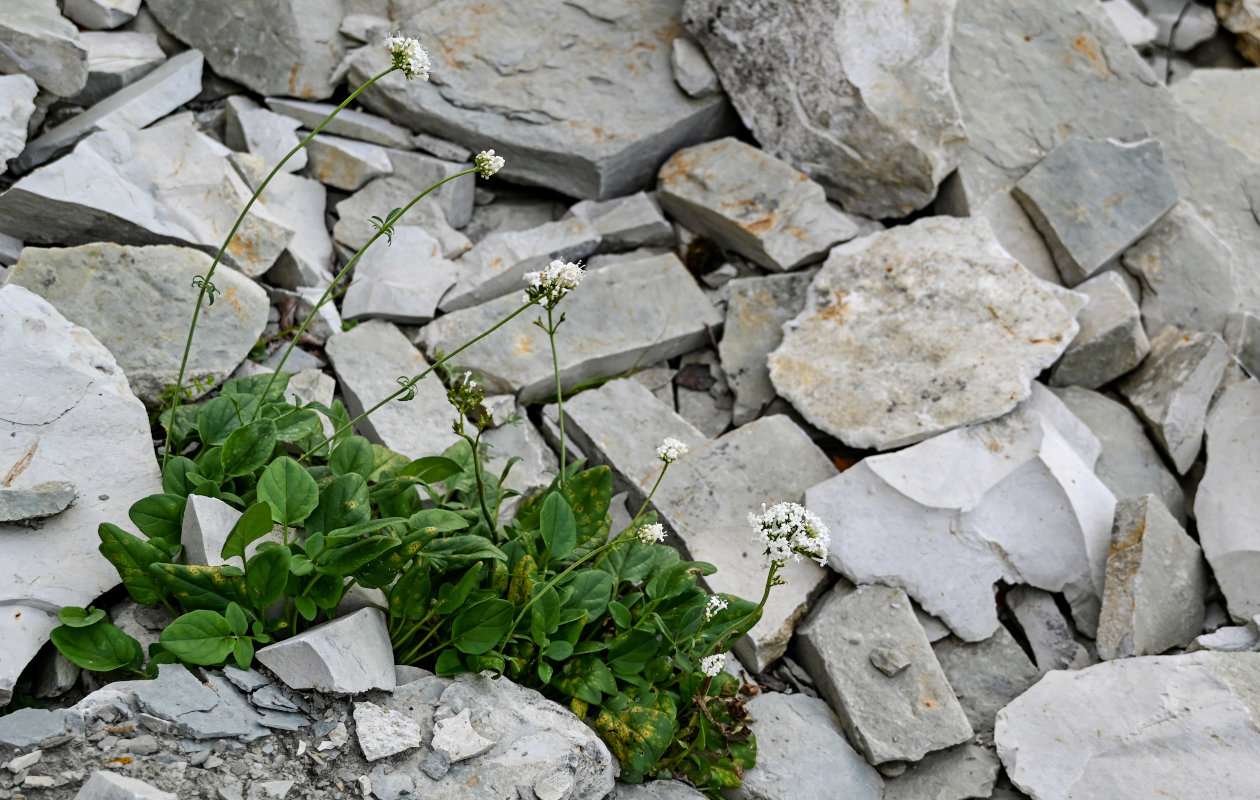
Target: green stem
{"x":646,"y":500}
{"x":481,"y":487}
{"x":751,"y":615}
{"x":555,"y":364}
{"x":411,"y":656}
{"x":201,"y":295}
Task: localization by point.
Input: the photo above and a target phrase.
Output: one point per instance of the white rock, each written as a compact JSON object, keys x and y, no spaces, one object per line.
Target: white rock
{"x":350,"y":123}
{"x":107,"y":785}
{"x":116,"y":59}
{"x":400,"y":282}
{"x":36,"y":41}
{"x":383,"y":732}
{"x":1111,"y":340}
{"x":207,"y":523}
{"x":25,"y":631}
{"x":1195,"y":25}
{"x":354,"y":226}
{"x":1229,"y":639}
{"x":1136,"y":29}
{"x":251,"y":129}
{"x":344,"y":163}
{"x":1105,"y":731}
{"x":347,"y":655}
{"x":456,"y":736}
{"x":1242,"y":333}
{"x":692,"y":71}
{"x":915,"y":331}
{"x":753,"y":329}
{"x":101,"y":14}
{"x":17,"y":104}
{"x":1012,"y":227}
{"x":1220,"y":100}
{"x":299,"y":204}
{"x":626,"y":223}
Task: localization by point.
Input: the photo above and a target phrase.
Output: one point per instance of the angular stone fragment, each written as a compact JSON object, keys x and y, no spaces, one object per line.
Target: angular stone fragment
{"x":116,"y":59}
{"x":89,"y":284}
{"x":1228,"y":639}
{"x":802,"y":754}
{"x":44,"y":500}
{"x":898,"y":718}
{"x":752,"y":203}
{"x":383,"y":732}
{"x":1136,"y":29}
{"x":1111,"y":340}
{"x":587,"y":105}
{"x":986,"y":676}
{"x":401,"y":282}
{"x":623,"y":315}
{"x":101,"y":14}
{"x":858,"y":95}
{"x":626,"y":223}
{"x":657,"y":790}
{"x":915,"y":331}
{"x":1048,"y":632}
{"x":1105,"y":731}
{"x":351,"y":123}
{"x":36,"y":41}
{"x":755,"y":315}
{"x":344,"y":163}
{"x":17,"y":104}
{"x":1220,"y":100}
{"x":455,"y":735}
{"x":299,"y":204}
{"x":1227,"y":506}
{"x":369,"y":359}
{"x":25,"y":630}
{"x":1242,"y":333}
{"x":692,"y":70}
{"x":107,"y":785}
{"x":497,"y":265}
{"x":347,"y":655}
{"x":1156,"y":581}
{"x":1195,"y":25}
{"x":288,"y":48}
{"x":412,"y":175}
{"x":28,"y":728}
{"x":1172,"y":388}
{"x":968,"y":770}
{"x":272,"y":136}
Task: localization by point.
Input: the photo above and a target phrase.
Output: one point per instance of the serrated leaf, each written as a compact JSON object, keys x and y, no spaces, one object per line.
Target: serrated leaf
{"x":289,"y":489}
{"x":131,"y":556}
{"x":201,"y":637}
{"x":249,"y":447}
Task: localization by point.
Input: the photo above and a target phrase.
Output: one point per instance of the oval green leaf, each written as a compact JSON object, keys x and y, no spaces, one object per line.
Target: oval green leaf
{"x":478,"y":628}
{"x":249,"y":447}
{"x":199,"y":637}
{"x":289,"y":489}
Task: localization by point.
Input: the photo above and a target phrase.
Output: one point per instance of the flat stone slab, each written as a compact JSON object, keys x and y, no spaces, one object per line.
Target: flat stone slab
{"x":1219,"y":99}
{"x":623,"y":315}
{"x":436,"y":213}
{"x":901,"y":716}
{"x":986,"y":675}
{"x":400,"y":281}
{"x":917,"y":330}
{"x":44,"y":500}
{"x":626,"y":223}
{"x":857,"y":95}
{"x":1111,"y":340}
{"x":347,"y":655}
{"x":116,"y":59}
{"x":755,"y":314}
{"x":344,"y":163}
{"x":384,"y":732}
{"x":752,"y":203}
{"x":968,"y":770}
{"x":36,"y":41}
{"x":350,"y":123}
{"x":1105,"y":731}
{"x":1046,"y":629}
{"x":105,"y":785}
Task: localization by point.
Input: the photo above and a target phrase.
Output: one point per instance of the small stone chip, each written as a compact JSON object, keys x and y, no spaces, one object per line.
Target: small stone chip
{"x":889,"y":660}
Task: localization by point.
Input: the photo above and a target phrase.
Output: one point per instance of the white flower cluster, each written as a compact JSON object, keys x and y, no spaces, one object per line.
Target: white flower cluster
{"x":716,"y":604}
{"x":554,"y":282}
{"x":650,"y":534}
{"x":671,"y":450}
{"x":487,"y":163}
{"x":713,"y":665}
{"x":408,"y":56}
{"x":787,"y":529}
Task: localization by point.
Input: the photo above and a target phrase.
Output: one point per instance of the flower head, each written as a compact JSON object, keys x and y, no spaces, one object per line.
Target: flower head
{"x":553,"y":283}
{"x":408,"y":56}
{"x":487,"y":163}
{"x":713,"y":665}
{"x":671,"y":450}
{"x":650,"y":534}
{"x":715,"y":605}
{"x":787,"y":529}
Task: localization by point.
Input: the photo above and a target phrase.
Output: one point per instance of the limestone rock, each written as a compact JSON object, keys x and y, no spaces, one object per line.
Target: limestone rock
{"x":116,"y":59}
{"x":101,"y":14}
{"x":1219,"y":100}
{"x":106,"y":785}
{"x":299,"y":204}
{"x":439,"y":213}
{"x":1242,"y":333}
{"x":344,"y":163}
{"x":858,"y":95}
{"x":350,"y":123}
{"x":1104,"y":731}
{"x":383,"y":732}
{"x":400,"y":282}
{"x":1195,"y":25}
{"x":25,"y":630}
{"x":915,"y":331}
{"x":455,"y":735}
{"x":44,"y":500}
{"x":968,"y":770}
{"x":657,"y":790}
{"x":802,"y":754}
{"x":347,"y":655}
{"x":1242,"y":17}
{"x":623,"y":315}
{"x":36,"y":41}
{"x":28,"y":728}
{"x":288,"y":48}
{"x":214,"y":709}
{"x":1172,"y":388}
{"x":1156,"y":581}
{"x":901,"y":717}
{"x":1227,"y":508}
{"x":1111,"y":340}
{"x":1047,"y":630}
{"x":1012,"y":227}
{"x":89,"y":284}
{"x":1017,"y":490}
{"x":626,"y":223}
{"x":755,"y":315}
{"x":585,"y":103}
{"x":692,"y":70}
{"x":986,"y":676}
{"x":1136,"y":29}
{"x":1229,"y":639}
{"x":17,"y":104}
{"x":267,"y":134}
{"x":752,"y":203}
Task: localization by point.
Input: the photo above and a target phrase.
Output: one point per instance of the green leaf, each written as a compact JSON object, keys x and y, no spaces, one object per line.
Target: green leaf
{"x":345,"y":558}
{"x":200,"y":637}
{"x":210,"y":465}
{"x":354,"y":455}
{"x":131,"y":556}
{"x":592,"y":590}
{"x":620,"y":614}
{"x":544,"y":615}
{"x":479,"y":627}
{"x":327,"y":590}
{"x":386,"y":463}
{"x":409,"y":597}
{"x":159,"y":516}
{"x":545,"y":670}
{"x":289,"y":489}
{"x":235,"y":616}
{"x":637,"y":735}
{"x":559,"y":529}
{"x":558,"y":650}
{"x":452,"y":596}
{"x":449,"y":662}
{"x":254,"y":524}
{"x":431,"y":469}
{"x":75,"y":617}
{"x":587,"y":678}
{"x":265,"y":576}
{"x":254,"y":385}
{"x":99,"y":647}
{"x":219,"y":417}
{"x":454,"y":552}
{"x":199,"y":587}
{"x":630,"y":651}
{"x":306,"y":607}
{"x":342,"y":503}
{"x":249,"y":447}
{"x":175,"y":476}
{"x":295,"y":424}
{"x":589,"y":494}
{"x":437,"y":520}
{"x":243,"y":653}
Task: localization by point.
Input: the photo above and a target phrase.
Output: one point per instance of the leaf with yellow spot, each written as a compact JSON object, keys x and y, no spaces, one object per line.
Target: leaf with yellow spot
{"x":132,"y":556}
{"x":195,"y":586}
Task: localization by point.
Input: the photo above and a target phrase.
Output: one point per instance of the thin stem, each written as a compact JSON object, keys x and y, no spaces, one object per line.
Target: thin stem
{"x":205,"y":284}
{"x":555,"y":364}
{"x":481,"y":487}
{"x":754,"y":615}
{"x":536,"y":594}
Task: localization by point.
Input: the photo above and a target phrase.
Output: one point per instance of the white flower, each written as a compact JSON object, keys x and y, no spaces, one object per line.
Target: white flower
{"x":650,"y":534}
{"x":671,"y":450}
{"x":713,"y":665}
{"x":554,"y":282}
{"x":787,"y":529}
{"x":488,"y":163}
{"x":716,"y":604}
{"x":408,"y":56}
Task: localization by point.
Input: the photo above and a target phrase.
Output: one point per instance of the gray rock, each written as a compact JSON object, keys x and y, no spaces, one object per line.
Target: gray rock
{"x":1242,"y":333}
{"x":207,"y":523}
{"x":1092,"y":199}
{"x":752,"y":203}
{"x":657,"y":790}
{"x":1012,"y":227}
{"x":182,"y":191}
{"x":1218,"y":100}
{"x":401,"y":284}
{"x":28,"y":728}
{"x":692,"y":71}
{"x":17,"y":104}
{"x":621,"y":316}
{"x":347,"y":655}
{"x":106,"y":785}
{"x":968,"y":770}
{"x":89,"y":284}
{"x":538,"y":465}
{"x":435,"y":146}
{"x":1228,"y":639}
{"x":898,"y":718}
{"x":344,"y":163}
{"x":455,"y":736}
{"x":350,"y":123}
{"x":66,"y":414}
{"x":986,"y":676}
{"x":878,"y":359}
{"x":1129,"y":465}
{"x":755,"y":315}
{"x":299,"y":204}
{"x":116,"y":59}
{"x":54,"y":674}
{"x":383,"y":732}
{"x":36,"y":41}
{"x":1172,"y":388}
{"x":1225,"y":506}
{"x":586,"y":105}
{"x":497,"y":265}
{"x":287,"y":48}
{"x":1136,"y":29}
{"x":101,"y":14}
{"x":44,"y":500}
{"x":369,"y":359}
{"x":1103,"y":731}
{"x":871,"y":117}
{"x":1195,"y":25}
{"x":413,"y":174}
{"x":502,"y":211}
{"x":802,"y":754}
{"x":251,"y":129}
{"x":390,"y":784}
{"x":1048,"y":632}
{"x":626,"y":223}
{"x":1111,"y":340}
{"x":1156,"y":581}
